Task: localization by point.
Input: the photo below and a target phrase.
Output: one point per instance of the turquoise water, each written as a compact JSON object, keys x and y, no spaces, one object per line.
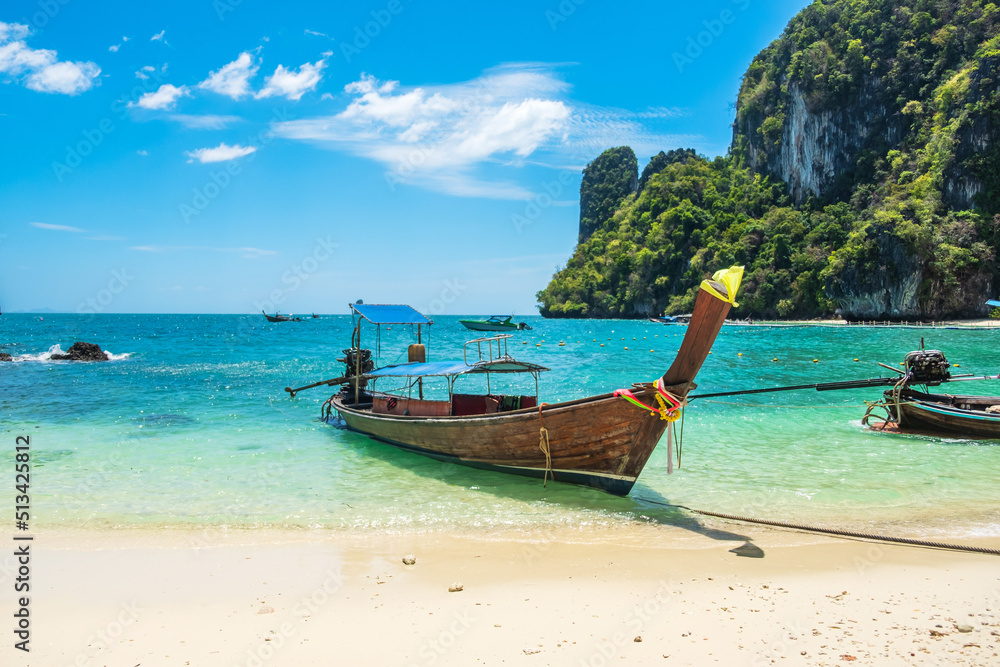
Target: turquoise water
{"x":189,"y":426}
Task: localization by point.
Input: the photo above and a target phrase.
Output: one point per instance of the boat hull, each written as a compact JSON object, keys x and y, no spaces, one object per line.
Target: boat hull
{"x":603,"y":442}
{"x":949,"y":414}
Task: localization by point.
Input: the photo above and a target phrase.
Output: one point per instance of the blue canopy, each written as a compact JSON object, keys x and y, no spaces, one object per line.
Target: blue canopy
{"x":435,"y":368}
{"x":995,"y":304}
{"x":383,"y":314}
{"x":425,"y":369}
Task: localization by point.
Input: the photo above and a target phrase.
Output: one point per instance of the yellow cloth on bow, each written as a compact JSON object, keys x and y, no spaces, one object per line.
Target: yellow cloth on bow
{"x":731,"y":278}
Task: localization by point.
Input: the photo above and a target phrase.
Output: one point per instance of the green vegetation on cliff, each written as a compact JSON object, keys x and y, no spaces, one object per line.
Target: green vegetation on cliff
{"x":864,"y":175}
{"x":606,"y":182}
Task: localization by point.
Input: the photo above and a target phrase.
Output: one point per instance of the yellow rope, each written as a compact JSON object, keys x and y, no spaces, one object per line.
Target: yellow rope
{"x":543,"y":444}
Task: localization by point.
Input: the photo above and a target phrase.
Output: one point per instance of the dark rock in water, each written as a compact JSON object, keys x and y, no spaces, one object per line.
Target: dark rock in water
{"x":82,"y":352}
{"x":5,"y":357}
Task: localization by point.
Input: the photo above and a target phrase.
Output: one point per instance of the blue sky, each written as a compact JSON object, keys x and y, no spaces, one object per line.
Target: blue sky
{"x":223,"y":156}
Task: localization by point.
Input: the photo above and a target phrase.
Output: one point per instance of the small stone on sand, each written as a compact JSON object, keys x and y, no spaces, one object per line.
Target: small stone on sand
{"x":456,"y":587}
{"x":266,"y":610}
{"x":409,"y":559}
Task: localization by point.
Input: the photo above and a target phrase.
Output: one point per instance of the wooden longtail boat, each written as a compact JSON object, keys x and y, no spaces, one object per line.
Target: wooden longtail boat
{"x":281,"y":318}
{"x":602,"y":441}
{"x":961,"y":416}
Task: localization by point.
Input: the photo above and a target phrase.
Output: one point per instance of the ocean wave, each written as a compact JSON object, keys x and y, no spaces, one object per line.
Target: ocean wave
{"x":56,"y":349}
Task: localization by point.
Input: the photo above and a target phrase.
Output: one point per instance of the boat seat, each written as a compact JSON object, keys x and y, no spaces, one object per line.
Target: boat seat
{"x":463,"y":405}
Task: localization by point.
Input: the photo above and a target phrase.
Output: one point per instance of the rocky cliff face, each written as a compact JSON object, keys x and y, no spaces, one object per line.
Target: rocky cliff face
{"x":820,"y":146}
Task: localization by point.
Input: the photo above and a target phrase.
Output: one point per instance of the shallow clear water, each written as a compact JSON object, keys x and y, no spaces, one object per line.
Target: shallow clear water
{"x":189,"y":425}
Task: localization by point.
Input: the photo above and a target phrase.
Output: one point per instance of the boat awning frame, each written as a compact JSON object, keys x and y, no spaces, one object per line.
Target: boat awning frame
{"x":389,"y":313}
{"x":995,"y":304}
{"x":454,"y":368}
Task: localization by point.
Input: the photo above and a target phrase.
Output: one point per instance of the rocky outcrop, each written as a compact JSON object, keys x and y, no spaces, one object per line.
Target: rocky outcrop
{"x":5,"y":357}
{"x":820,"y":146}
{"x":976,"y":143}
{"x":893,"y":283}
{"x":607,"y":181}
{"x":80,"y":351}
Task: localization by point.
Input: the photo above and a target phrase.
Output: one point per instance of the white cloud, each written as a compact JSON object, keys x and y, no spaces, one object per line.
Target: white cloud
{"x":57,"y":228}
{"x":163,"y":98}
{"x":220,"y":153}
{"x":232,"y":80}
{"x":105,"y":237}
{"x":158,"y":37}
{"x":291,"y":84}
{"x":40,"y":69}
{"x":142,"y":152}
{"x":318,"y":34}
{"x":204,"y":122}
{"x":248,"y":253}
{"x":440,"y":136}
{"x":114,"y":48}
{"x":436,"y":135}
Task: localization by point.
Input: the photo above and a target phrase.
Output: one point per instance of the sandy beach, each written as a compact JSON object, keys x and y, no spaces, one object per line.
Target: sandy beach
{"x":638,"y":595}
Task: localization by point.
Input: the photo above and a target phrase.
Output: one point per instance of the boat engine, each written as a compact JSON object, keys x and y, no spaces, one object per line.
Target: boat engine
{"x":927,"y":366}
{"x":350,"y":360}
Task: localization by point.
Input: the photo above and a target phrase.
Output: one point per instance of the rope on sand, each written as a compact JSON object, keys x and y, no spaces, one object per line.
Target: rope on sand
{"x":842,"y":533}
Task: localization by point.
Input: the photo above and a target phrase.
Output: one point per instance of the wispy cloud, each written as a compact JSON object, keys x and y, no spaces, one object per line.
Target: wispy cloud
{"x":204,"y":122}
{"x":105,"y":237}
{"x":291,"y":84}
{"x":163,"y":98}
{"x":317,"y":34}
{"x":40,"y":69}
{"x":247,"y":253}
{"x":142,"y":152}
{"x":159,"y":37}
{"x":221,"y":153}
{"x":57,"y":228}
{"x":515,"y":114}
{"x":232,"y":80}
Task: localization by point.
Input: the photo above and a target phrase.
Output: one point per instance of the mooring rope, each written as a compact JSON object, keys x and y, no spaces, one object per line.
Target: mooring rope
{"x":841,"y":533}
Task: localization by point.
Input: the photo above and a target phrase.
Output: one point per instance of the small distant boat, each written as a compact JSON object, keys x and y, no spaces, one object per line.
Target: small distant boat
{"x":671,"y":319}
{"x":281,"y":318}
{"x":496,"y":323}
{"x":315,"y":316}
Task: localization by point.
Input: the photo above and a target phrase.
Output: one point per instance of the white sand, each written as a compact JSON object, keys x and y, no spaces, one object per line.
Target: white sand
{"x":329,"y":598}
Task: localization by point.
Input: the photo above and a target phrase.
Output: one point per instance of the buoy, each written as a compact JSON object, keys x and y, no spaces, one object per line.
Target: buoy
{"x":562,"y":344}
{"x":524,"y":343}
{"x":956,"y":365}
{"x":739,"y":354}
{"x":855,"y":358}
{"x":602,"y":344}
{"x":626,"y":348}
{"x":538,"y":344}
{"x":775,"y":359}
{"x":650,"y":350}
{"x":815,"y":361}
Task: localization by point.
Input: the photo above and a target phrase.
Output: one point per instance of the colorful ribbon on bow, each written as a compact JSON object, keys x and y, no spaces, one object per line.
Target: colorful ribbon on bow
{"x":663,"y":397}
